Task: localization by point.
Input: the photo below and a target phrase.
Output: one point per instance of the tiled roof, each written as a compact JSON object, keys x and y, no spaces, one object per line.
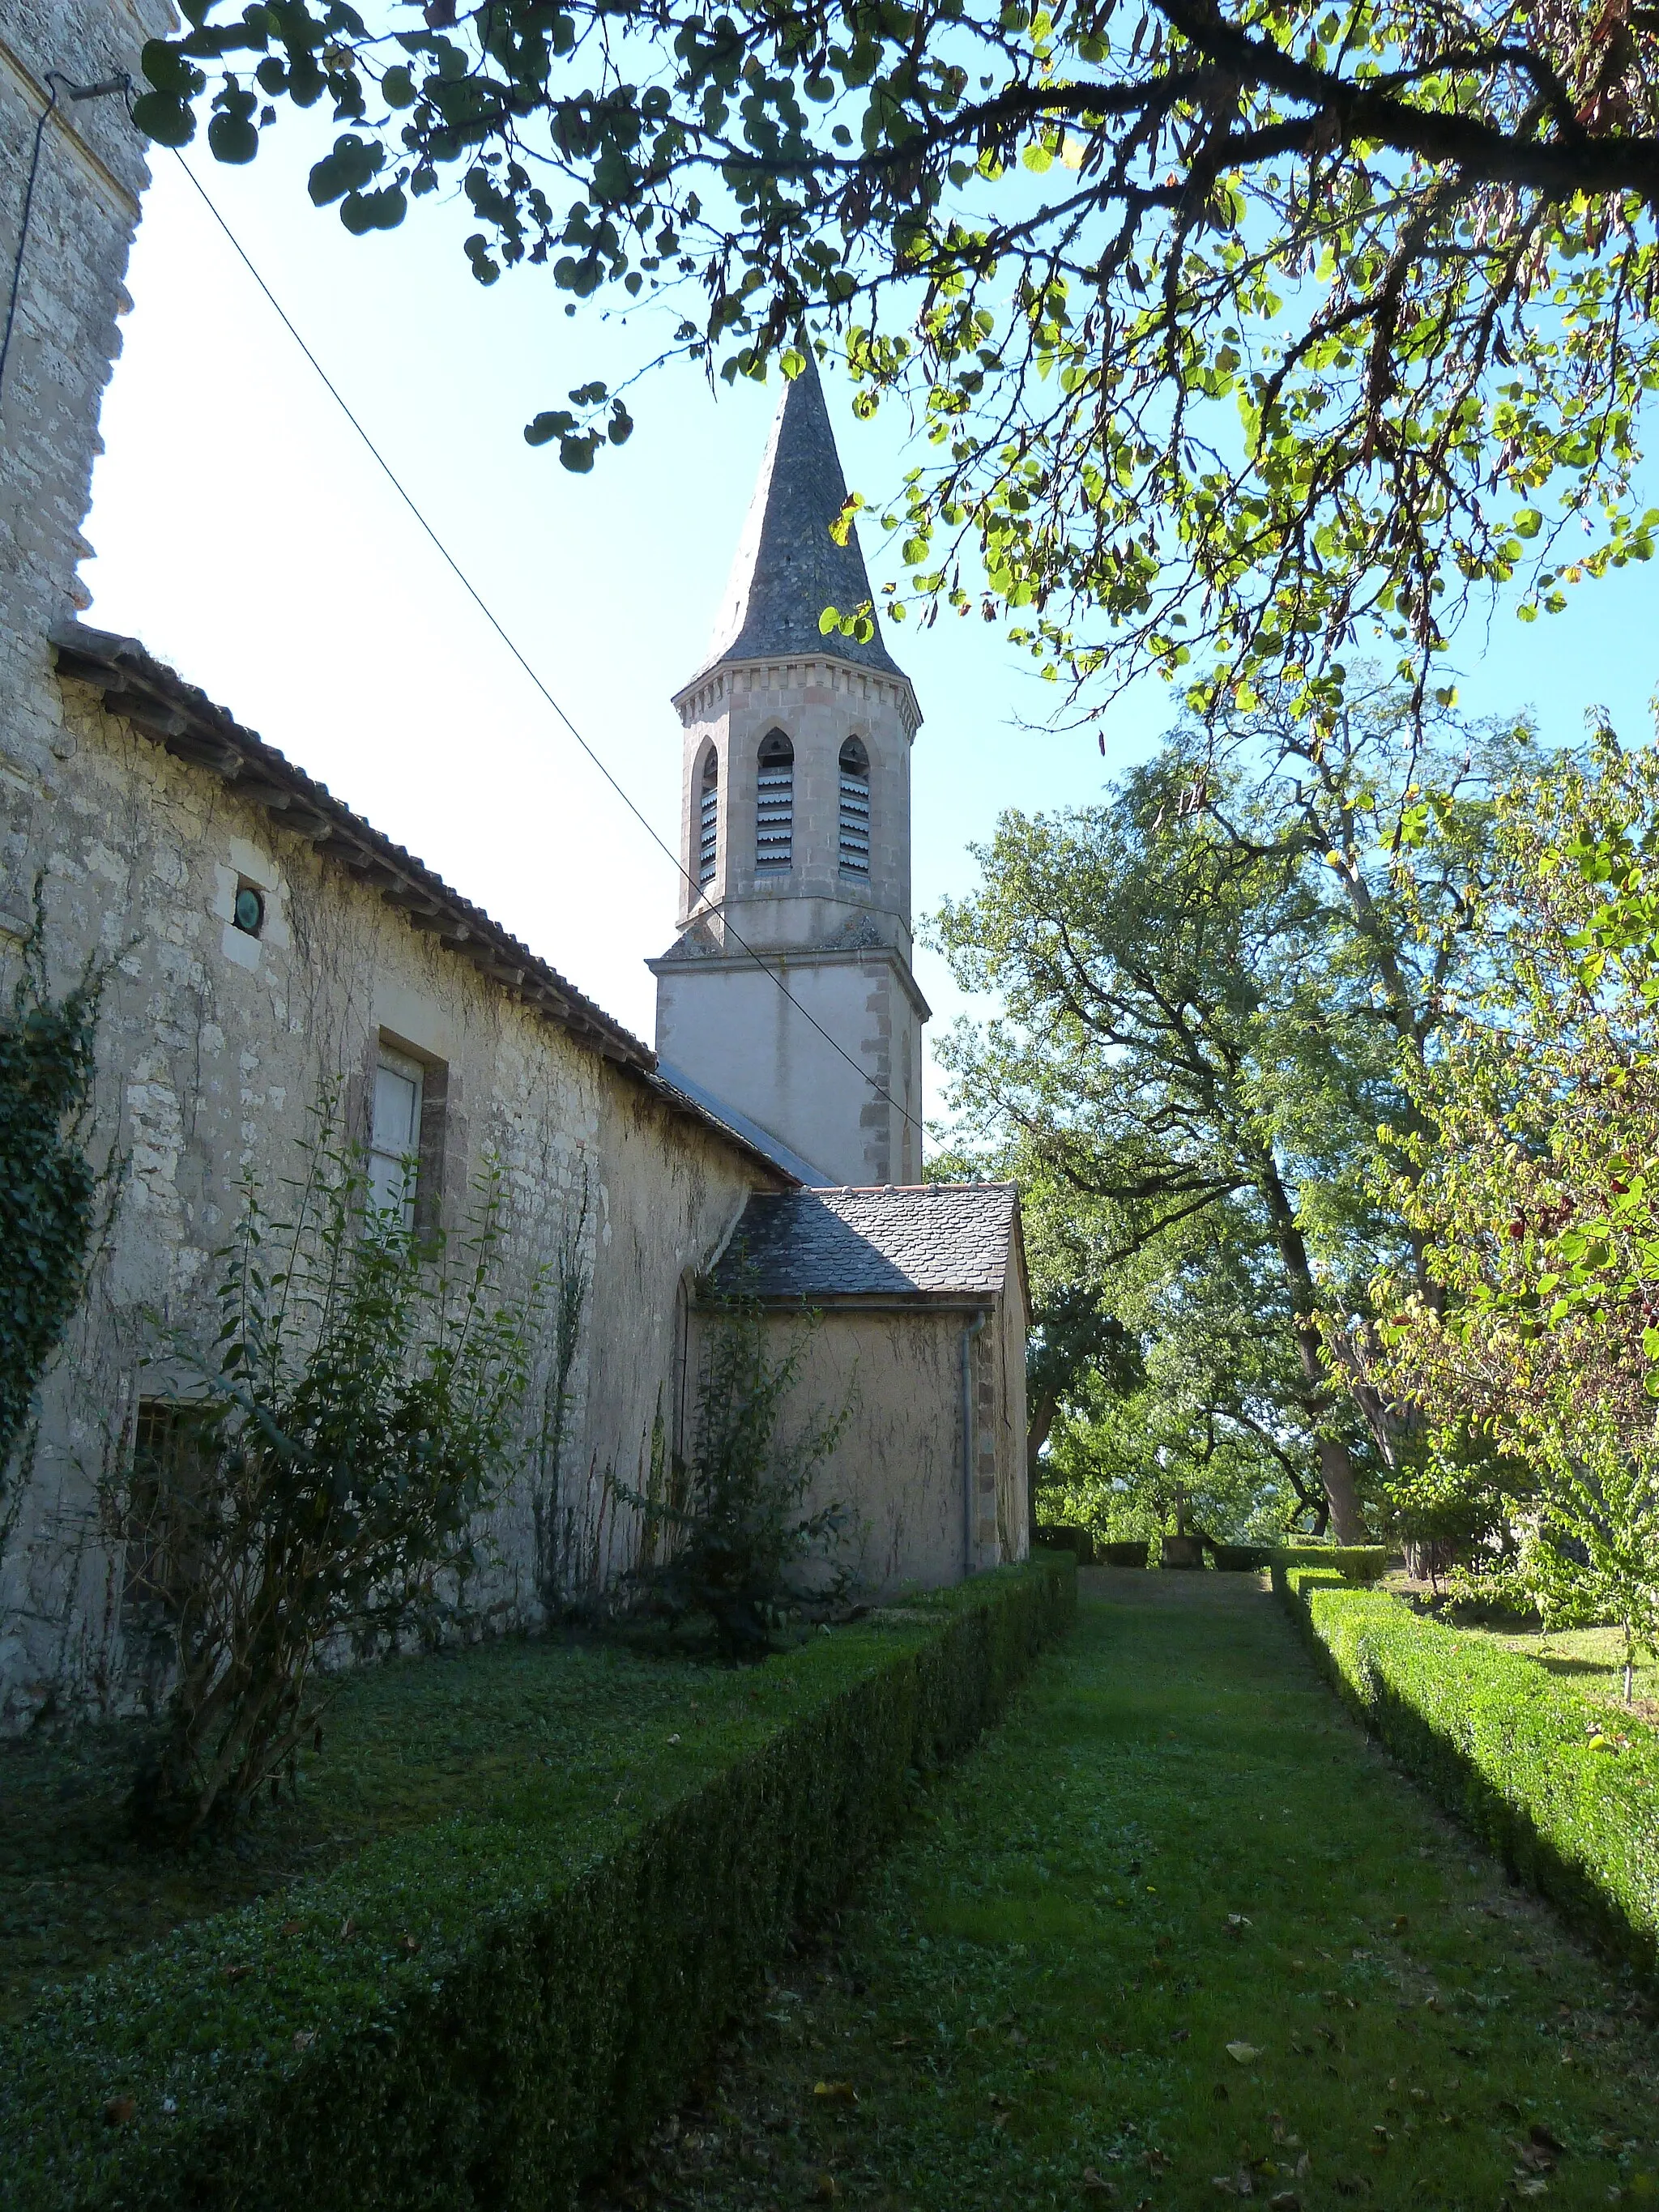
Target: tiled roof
{"x":788,"y":568}
{"x":935,"y":1239}
{"x":156,"y":701}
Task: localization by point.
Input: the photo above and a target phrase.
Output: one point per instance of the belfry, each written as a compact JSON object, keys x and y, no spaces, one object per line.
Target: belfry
{"x":795,"y":843}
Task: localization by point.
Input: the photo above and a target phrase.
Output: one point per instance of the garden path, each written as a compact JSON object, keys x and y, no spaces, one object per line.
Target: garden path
{"x":1176,"y":1932}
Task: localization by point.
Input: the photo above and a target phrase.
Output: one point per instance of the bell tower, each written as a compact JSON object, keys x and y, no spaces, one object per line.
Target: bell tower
{"x":795,"y":841}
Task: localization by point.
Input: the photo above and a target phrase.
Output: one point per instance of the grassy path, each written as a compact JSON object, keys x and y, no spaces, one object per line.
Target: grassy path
{"x":1176,"y":1933}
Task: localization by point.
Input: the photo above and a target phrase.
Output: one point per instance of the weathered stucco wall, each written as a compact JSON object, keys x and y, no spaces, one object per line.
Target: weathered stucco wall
{"x":214,"y":1051}
{"x":899,"y":1466}
{"x":733,"y":1030}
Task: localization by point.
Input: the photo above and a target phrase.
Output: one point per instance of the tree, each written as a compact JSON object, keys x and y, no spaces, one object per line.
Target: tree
{"x":1217,"y":1426}
{"x":1210,"y":983}
{"x":1242,"y":329}
{"x":1073,"y":1341}
{"x":1531,"y":1178}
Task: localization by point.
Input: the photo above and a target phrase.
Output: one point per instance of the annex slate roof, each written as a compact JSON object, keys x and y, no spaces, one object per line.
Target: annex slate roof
{"x":915,"y":1240}
{"x":158,"y":702}
{"x":788,"y":568}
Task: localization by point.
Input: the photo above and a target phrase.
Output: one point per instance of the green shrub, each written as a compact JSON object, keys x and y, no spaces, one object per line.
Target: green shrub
{"x":358,"y":1410}
{"x":1130,"y":1554}
{"x":481,"y":2012}
{"x":1517,"y":1755}
{"x":1355,"y":1563}
{"x":1064,"y":1537}
{"x":737,"y":1521}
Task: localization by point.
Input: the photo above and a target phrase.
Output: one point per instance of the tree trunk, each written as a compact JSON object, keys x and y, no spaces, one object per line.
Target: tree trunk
{"x":1335,"y":1466}
{"x":1337,"y":1470}
{"x":1039,"y":1420}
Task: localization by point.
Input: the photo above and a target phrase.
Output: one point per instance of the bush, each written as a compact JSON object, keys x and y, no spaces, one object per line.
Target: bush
{"x":1058,"y":1536}
{"x":736,"y":1518}
{"x":1515,"y":1754}
{"x":359,"y":1410}
{"x":1354,"y":1563}
{"x":1128,"y":1554}
{"x":481,"y":2013}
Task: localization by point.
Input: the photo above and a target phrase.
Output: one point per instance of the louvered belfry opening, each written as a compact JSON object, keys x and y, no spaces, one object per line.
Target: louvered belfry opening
{"x":854,"y":832}
{"x":708,"y":828}
{"x":774,"y":805}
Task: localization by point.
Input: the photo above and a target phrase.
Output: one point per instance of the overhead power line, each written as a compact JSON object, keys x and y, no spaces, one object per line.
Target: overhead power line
{"x":506,"y":639}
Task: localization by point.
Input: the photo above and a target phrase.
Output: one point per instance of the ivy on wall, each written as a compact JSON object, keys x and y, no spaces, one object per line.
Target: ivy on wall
{"x":54,"y":1201}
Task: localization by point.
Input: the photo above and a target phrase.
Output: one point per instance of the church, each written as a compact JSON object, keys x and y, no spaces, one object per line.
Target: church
{"x":269,"y":947}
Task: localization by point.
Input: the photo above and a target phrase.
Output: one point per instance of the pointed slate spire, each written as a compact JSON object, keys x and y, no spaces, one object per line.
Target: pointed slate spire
{"x":788,"y":567}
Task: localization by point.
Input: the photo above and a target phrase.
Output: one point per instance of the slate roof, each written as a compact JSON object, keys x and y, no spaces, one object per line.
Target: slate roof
{"x":788,"y":568}
{"x":157,"y":701}
{"x":917,"y":1240}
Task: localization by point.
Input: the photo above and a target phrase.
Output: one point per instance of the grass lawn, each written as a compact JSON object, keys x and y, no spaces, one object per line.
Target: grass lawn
{"x":404,"y":1744}
{"x":1175,"y":1932}
{"x":1590,"y":1659}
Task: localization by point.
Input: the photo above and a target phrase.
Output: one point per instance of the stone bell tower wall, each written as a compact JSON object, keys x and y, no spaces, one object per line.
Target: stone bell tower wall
{"x":818,"y":705}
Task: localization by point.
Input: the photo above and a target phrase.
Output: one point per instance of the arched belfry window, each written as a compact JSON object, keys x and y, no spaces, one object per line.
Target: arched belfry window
{"x":709,"y":817}
{"x":855,"y":809}
{"x":774,"y":803}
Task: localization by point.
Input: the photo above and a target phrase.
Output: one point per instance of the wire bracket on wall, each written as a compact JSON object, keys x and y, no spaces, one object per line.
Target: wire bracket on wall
{"x":57,"y":84}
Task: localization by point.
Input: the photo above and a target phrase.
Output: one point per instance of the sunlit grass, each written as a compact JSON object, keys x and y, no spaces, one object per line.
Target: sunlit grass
{"x":1591,"y":1659}
{"x":1177,"y":1933}
{"x":404,"y":1744}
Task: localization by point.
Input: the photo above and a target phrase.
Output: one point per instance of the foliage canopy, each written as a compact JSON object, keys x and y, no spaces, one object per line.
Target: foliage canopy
{"x":1528,"y":1176}
{"x":1215,"y":982}
{"x":1273,"y":324}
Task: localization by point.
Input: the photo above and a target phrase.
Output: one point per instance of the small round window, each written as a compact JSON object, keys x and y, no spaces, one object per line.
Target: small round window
{"x":249,"y":913}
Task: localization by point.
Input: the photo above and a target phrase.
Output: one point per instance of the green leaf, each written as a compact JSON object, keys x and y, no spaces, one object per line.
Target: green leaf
{"x":233,"y":138}
{"x":165,"y":119}
{"x":381,"y":210}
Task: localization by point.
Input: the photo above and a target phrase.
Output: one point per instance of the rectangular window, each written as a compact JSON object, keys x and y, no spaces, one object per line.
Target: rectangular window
{"x":394,"y":1139}
{"x":164,"y":1502}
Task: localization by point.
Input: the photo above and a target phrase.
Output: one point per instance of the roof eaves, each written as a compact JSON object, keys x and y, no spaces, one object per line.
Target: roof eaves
{"x":156,"y":701}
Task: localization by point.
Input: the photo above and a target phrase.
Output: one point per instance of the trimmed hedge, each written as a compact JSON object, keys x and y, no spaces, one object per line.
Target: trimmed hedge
{"x":482,"y":2013}
{"x":1508,"y":1749}
{"x":1064,"y":1536}
{"x":1355,"y":1563}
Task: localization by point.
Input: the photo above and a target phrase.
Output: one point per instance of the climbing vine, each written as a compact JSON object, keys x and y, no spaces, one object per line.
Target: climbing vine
{"x":55,"y":1202}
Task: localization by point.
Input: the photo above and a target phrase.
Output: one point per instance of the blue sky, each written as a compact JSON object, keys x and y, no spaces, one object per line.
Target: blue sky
{"x":243,"y":533}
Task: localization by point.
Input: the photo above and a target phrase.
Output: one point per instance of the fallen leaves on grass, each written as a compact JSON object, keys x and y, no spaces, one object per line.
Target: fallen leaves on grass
{"x":835,"y":2093}
{"x":1243,"y":2052}
{"x":117,"y":2110}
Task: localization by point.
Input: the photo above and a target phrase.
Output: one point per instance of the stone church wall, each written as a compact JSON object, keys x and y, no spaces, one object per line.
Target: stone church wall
{"x":91,"y":173}
{"x":215,"y":1051}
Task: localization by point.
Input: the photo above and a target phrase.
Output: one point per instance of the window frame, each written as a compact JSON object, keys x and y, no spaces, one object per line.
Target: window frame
{"x":162,"y":1504}
{"x":774,"y":789}
{"x":395,"y":1060}
{"x":708,"y":823}
{"x":853,"y":810}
